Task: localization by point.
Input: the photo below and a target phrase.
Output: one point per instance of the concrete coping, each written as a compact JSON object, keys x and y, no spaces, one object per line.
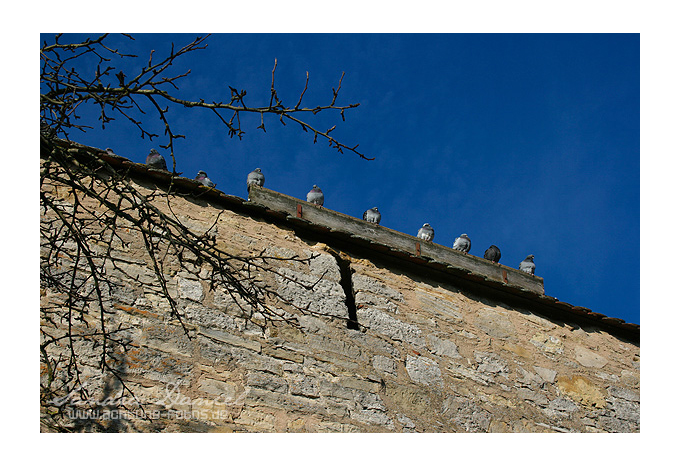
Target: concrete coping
{"x":358,"y":228}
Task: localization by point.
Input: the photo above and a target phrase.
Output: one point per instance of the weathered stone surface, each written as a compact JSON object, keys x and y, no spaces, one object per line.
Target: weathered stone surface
{"x":190,"y":289}
{"x":582,"y":390}
{"x":424,"y":370}
{"x":384,"y":324}
{"x":491,"y":363}
{"x":624,"y":393}
{"x":495,"y":324}
{"x":547,"y":343}
{"x":424,"y":355}
{"x":443,"y":347}
{"x":371,"y":285}
{"x":546,"y":374}
{"x":588,"y":358}
{"x":268,"y":381}
{"x":437,"y":305}
{"x":325,"y":298}
{"x":385,"y":364}
{"x":304,"y":386}
{"x":225,"y":390}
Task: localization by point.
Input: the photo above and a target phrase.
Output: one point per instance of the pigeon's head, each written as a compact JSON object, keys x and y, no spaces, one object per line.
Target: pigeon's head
{"x":153,"y":152}
{"x":316,"y":188}
{"x":464,"y":235}
{"x":202,"y":174}
{"x":426,"y":225}
{"x":257,"y":170}
{"x":530,"y":257}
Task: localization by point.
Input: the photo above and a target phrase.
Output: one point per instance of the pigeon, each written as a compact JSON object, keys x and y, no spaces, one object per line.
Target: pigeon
{"x":528,"y":265}
{"x":426,"y":232}
{"x":373,"y":216}
{"x":462,"y":243}
{"x":493,"y":254}
{"x":202,"y":178}
{"x":315,"y":196}
{"x":156,"y":161}
{"x":110,"y":152}
{"x":255,"y":178}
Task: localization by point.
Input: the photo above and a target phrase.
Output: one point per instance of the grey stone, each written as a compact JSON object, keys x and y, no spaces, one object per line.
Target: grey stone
{"x":325,"y":297}
{"x":623,"y":393}
{"x":304,"y":386}
{"x":210,"y":317}
{"x":324,"y":266}
{"x":534,"y":396}
{"x":382,"y":323}
{"x":375,"y":301}
{"x":466,"y":414}
{"x":443,"y":347}
{"x":385,"y":364}
{"x":464,"y":373}
{"x":405,"y":421}
{"x":372,"y":417}
{"x":588,"y":358}
{"x":268,"y":381}
{"x":424,"y":370}
{"x":626,"y":410}
{"x":491,"y":363}
{"x":563,"y":405}
{"x":190,"y":289}
{"x":368,"y":400}
{"x":312,"y":324}
{"x":528,"y":378}
{"x":374,"y":286}
{"x":546,"y":374}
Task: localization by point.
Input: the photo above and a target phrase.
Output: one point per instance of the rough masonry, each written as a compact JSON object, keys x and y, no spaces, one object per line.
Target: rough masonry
{"x":388,"y":345}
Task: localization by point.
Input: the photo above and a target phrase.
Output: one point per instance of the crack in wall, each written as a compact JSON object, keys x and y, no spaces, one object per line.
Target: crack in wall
{"x":346,"y":272}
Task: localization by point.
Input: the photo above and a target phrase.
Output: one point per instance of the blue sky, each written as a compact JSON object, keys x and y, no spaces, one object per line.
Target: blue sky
{"x":527,"y":141}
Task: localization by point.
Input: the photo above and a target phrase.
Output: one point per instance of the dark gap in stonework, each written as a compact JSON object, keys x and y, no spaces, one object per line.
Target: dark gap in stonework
{"x":346,"y":284}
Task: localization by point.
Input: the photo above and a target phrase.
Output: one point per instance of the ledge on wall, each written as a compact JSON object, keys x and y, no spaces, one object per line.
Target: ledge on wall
{"x":350,"y":230}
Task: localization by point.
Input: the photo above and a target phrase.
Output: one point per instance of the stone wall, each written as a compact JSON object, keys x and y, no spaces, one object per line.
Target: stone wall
{"x":413,"y":351}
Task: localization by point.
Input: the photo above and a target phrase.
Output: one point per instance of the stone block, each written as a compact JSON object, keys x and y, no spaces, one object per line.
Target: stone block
{"x":190,"y":289}
{"x":424,"y":371}
{"x":267,"y":381}
{"x":443,"y":347}
{"x":546,"y":374}
{"x":547,"y":343}
{"x":385,"y":364}
{"x":588,"y":358}
{"x":495,"y":324}
{"x":382,"y":323}
{"x":371,"y":285}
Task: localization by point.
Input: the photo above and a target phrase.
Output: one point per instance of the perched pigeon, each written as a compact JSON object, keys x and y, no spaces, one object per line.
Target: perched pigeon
{"x":156,"y":161}
{"x":493,"y":254}
{"x":315,"y":196}
{"x":255,"y":178}
{"x":110,"y":152}
{"x":426,"y":232}
{"x":372,"y":215}
{"x":202,"y":177}
{"x":462,"y":243}
{"x":528,"y":265}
